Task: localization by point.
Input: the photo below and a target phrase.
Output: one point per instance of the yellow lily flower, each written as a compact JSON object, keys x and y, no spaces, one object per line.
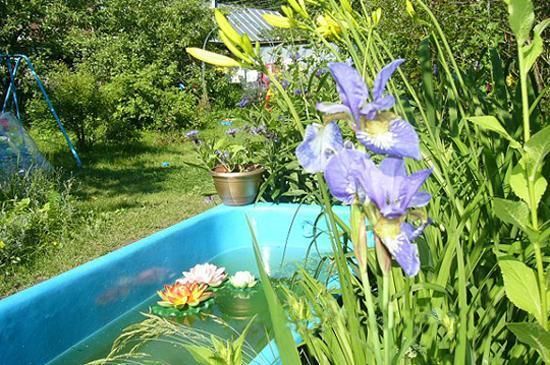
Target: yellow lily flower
{"x":327,"y":26}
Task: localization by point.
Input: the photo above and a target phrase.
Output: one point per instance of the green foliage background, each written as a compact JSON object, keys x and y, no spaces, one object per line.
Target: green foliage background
{"x":113,"y":67}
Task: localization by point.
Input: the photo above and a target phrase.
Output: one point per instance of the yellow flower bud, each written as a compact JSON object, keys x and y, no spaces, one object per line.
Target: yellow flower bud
{"x":376,"y":16}
{"x":212,"y":58}
{"x":277,"y":21}
{"x":410,"y":8}
{"x":510,"y":80}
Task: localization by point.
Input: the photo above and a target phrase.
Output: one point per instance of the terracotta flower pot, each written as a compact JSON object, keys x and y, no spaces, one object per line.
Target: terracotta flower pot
{"x":237,"y":188}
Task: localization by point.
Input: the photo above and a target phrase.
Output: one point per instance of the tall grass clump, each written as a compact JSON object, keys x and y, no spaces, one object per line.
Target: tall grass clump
{"x":36,"y":212}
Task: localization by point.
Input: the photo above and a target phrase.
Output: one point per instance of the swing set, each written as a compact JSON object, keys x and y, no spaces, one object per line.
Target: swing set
{"x":13,"y":63}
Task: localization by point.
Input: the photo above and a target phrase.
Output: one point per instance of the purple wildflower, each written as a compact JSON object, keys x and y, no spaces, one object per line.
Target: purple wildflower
{"x":258,"y":131}
{"x":319,"y":145}
{"x":320,"y":72}
{"x":232,"y":132}
{"x":192,"y":134}
{"x":300,"y":92}
{"x":243,"y":102}
{"x":222,"y":155}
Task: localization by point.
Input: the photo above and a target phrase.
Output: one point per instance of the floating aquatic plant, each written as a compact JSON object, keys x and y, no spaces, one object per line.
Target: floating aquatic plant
{"x":242,"y":280}
{"x":209,"y":274}
{"x":182,"y":295}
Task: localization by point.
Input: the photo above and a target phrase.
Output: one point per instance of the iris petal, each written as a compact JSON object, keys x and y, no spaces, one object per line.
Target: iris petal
{"x":405,"y":253}
{"x":333,"y":108}
{"x":411,"y":232}
{"x":400,"y":140}
{"x":371,"y":109}
{"x":420,"y":199}
{"x":390,"y":189}
{"x":319,"y":145}
{"x":383,"y":76}
{"x":393,"y":167}
{"x":397,"y":239}
{"x":351,"y":87}
{"x":342,"y":172}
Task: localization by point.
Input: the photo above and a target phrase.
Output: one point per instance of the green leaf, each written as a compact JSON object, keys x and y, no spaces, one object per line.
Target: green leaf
{"x":202,"y":355}
{"x":283,"y":336}
{"x":491,"y":123}
{"x":531,"y":52}
{"x":513,"y":212}
{"x":540,"y":27}
{"x":521,"y":18}
{"x":519,"y":183}
{"x":520,"y":284}
{"x":538,"y":147}
{"x":533,"y":335}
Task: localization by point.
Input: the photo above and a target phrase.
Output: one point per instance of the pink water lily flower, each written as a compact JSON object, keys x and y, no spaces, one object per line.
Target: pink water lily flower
{"x":204,"y":274}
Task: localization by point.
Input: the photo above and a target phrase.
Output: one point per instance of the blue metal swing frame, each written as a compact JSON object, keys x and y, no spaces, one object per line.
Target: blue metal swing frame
{"x":13,"y":63}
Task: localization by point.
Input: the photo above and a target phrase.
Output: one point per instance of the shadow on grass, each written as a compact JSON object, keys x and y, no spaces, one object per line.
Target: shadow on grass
{"x":125,"y":170}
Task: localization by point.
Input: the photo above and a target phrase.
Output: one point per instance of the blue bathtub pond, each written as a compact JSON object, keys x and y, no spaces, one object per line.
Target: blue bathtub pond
{"x":72,"y":318}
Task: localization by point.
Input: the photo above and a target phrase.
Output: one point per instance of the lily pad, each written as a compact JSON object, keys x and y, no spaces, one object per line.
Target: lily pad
{"x":180,"y":313}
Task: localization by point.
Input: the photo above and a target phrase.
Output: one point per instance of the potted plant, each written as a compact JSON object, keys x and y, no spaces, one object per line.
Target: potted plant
{"x":231,"y":163}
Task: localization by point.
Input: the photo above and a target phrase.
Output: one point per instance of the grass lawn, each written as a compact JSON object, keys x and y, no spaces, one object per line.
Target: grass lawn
{"x":125,"y":193}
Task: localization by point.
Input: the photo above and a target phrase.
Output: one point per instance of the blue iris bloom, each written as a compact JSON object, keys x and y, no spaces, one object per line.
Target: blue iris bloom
{"x":378,"y":130}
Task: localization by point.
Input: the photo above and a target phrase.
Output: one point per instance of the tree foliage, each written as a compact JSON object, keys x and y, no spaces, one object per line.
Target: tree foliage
{"x":112,"y":67}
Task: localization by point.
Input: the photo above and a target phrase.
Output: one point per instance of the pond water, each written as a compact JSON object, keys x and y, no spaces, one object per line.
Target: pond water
{"x":229,"y":313}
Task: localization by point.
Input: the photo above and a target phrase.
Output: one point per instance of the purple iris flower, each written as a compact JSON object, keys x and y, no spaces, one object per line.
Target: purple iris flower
{"x":352,"y":89}
{"x":351,"y":175}
{"x":392,"y":190}
{"x":380,"y":131}
{"x":342,"y":174}
{"x":319,"y":145}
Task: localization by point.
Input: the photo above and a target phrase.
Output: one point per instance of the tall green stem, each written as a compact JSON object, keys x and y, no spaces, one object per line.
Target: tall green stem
{"x":289,"y":103}
{"x":531,"y":187}
{"x":373,"y":326}
{"x":388,"y":317}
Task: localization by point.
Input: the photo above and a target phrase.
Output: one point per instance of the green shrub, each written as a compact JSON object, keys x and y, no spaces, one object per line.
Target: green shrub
{"x":149,"y":98}
{"x":112,"y":67}
{"x":79,"y":101}
{"x":36,"y":212}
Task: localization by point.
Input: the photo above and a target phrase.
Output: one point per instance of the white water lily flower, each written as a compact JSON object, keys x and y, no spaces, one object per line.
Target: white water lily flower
{"x":204,"y":274}
{"x":242,"y":279}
